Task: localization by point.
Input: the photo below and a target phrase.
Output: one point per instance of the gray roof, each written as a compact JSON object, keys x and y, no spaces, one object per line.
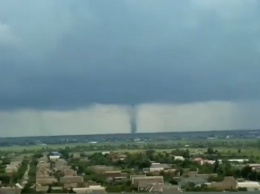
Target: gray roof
{"x":71,"y":179}
{"x":194,"y":180}
{"x":165,"y":166}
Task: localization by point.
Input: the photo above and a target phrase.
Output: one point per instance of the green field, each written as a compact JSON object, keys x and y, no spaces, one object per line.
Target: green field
{"x":225,"y":147}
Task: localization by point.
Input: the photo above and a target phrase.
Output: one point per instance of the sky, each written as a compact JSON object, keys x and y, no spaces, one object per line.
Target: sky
{"x":76,"y":67}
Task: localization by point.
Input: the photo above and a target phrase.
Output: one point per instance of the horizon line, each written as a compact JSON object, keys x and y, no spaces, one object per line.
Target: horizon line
{"x":128,"y":133}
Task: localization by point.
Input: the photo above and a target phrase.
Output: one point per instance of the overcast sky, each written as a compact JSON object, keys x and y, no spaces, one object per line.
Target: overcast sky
{"x":75,"y":67}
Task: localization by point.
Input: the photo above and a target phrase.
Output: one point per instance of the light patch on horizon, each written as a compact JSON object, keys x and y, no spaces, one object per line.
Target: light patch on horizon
{"x":104,"y":119}
{"x":201,"y":116}
{"x":7,"y":37}
{"x":96,"y":119}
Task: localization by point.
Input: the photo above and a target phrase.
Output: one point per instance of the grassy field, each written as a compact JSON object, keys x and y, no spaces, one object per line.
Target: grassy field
{"x":38,"y":147}
{"x":245,"y":153}
{"x":224,"y":150}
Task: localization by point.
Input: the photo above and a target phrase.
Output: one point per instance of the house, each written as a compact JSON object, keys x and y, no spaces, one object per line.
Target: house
{"x":115,"y":175}
{"x":43,"y":164}
{"x":43,"y":159}
{"x":238,"y":160}
{"x":46,"y":181}
{"x":10,"y":169}
{"x":196,"y":181}
{"x":143,"y":182}
{"x":10,"y":190}
{"x":206,"y":176}
{"x":96,"y":189}
{"x":132,"y":177}
{"x":40,"y":188}
{"x":100,"y":169}
{"x":40,"y":175}
{"x":154,"y":188}
{"x":159,"y":167}
{"x":56,"y":188}
{"x":43,"y":171}
{"x":189,"y":173}
{"x":13,"y":167}
{"x":202,"y":161}
{"x":170,"y":189}
{"x":60,"y":164}
{"x":106,"y":153}
{"x":255,"y":167}
{"x":156,"y":168}
{"x":71,"y":181}
{"x":249,"y":185}
{"x":162,"y":188}
{"x":91,"y":189}
{"x":115,"y":157}
{"x":69,"y":172}
{"x":229,"y":183}
{"x":54,"y":156}
{"x":181,"y":158}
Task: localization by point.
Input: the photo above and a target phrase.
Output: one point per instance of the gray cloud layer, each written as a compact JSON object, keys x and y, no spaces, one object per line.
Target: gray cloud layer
{"x":171,"y":57}
{"x":64,"y":54}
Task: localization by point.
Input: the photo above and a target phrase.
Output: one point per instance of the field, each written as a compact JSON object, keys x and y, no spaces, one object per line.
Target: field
{"x":225,"y":147}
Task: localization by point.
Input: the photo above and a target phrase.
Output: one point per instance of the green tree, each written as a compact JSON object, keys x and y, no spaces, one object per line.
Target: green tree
{"x":210,"y":150}
{"x":27,"y":189}
{"x":216,"y":166}
{"x":65,"y":154}
{"x":150,"y":153}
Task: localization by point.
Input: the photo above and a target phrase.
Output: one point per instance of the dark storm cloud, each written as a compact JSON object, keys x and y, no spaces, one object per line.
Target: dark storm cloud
{"x":70,"y":54}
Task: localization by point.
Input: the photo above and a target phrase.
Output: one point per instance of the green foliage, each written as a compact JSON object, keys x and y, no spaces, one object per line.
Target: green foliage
{"x":216,"y":166}
{"x":65,"y":153}
{"x":203,"y":188}
{"x":206,"y":169}
{"x":37,"y":155}
{"x":20,"y":173}
{"x":96,"y":178}
{"x":185,"y":153}
{"x":6,"y":161}
{"x":150,"y":154}
{"x":99,"y":159}
{"x":27,"y":189}
{"x":120,"y":187}
{"x":5,"y":179}
{"x":137,"y":160}
{"x":216,"y":178}
{"x":32,"y":172}
{"x":210,"y":150}
{"x":83,"y":155}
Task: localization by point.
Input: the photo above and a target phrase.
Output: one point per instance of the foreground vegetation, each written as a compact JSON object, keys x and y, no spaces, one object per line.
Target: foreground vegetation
{"x":137,"y":157}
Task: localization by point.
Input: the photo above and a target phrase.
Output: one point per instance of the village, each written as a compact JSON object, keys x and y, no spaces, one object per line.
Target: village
{"x":110,"y":171}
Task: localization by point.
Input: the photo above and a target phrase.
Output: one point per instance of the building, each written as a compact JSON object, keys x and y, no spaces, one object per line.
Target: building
{"x":91,"y":189}
{"x":115,"y":175}
{"x":72,"y":181}
{"x":249,"y":185}
{"x":55,"y":155}
{"x":10,"y":190}
{"x":229,"y":183}
{"x":181,"y":158}
{"x":143,"y":182}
